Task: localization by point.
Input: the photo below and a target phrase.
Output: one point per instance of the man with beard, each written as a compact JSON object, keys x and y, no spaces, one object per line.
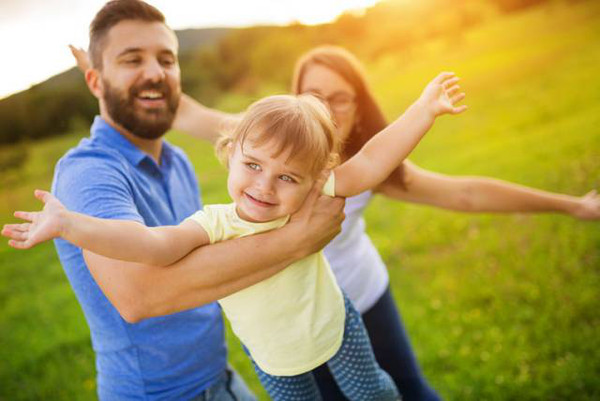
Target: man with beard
{"x":126,"y":171}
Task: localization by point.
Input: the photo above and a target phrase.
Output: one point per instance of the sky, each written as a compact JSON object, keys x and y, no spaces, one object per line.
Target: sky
{"x":34,"y":34}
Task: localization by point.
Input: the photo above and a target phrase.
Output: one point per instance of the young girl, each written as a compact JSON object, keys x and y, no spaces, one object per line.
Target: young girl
{"x":298,"y":319}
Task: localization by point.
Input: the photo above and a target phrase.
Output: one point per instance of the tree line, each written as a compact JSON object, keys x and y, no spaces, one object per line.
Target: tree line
{"x":218,"y":61}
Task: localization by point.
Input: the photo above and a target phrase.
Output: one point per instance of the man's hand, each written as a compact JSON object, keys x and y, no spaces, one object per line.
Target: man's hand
{"x":319,"y":219}
{"x":42,"y":226}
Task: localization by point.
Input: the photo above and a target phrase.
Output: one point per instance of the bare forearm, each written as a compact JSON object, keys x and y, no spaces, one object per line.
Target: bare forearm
{"x":483,"y":194}
{"x":491,"y":195}
{"x":215,"y":271}
{"x":384,"y":152}
{"x":205,"y":275}
{"x":163,"y":303}
{"x":121,"y":239}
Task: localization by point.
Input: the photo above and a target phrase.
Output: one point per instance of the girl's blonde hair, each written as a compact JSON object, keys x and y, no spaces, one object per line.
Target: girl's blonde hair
{"x":299,"y":124}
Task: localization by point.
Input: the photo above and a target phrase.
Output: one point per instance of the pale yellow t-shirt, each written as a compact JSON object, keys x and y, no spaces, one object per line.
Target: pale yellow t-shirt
{"x":291,"y":322}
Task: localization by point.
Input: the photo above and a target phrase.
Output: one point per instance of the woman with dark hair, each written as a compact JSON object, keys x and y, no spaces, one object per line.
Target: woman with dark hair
{"x":336,"y":76}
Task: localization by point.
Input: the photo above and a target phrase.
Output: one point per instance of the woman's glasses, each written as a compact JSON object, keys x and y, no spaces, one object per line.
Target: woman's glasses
{"x":339,"y":102}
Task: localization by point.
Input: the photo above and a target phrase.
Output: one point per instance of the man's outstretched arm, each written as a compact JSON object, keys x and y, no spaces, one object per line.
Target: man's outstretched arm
{"x":215,"y":271}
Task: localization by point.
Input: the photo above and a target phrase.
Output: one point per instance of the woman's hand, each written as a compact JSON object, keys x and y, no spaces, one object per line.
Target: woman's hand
{"x":81,"y":56}
{"x":42,"y":226}
{"x":442,"y":94}
{"x":588,"y":207}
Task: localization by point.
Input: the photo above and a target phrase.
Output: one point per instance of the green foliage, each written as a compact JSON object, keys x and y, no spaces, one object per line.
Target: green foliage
{"x":497,"y":307}
{"x":46,"y":109}
{"x":216,"y":61}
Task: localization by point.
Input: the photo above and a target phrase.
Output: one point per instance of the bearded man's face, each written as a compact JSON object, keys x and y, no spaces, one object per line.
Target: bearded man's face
{"x":147,"y":110}
{"x":141,"y":83}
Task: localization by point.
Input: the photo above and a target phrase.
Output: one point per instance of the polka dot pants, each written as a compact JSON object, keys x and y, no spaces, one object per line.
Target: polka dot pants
{"x":354,"y":368}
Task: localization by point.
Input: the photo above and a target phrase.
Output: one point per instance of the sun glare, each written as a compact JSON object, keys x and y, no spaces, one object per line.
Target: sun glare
{"x":41,"y":56}
{"x":243,"y":13}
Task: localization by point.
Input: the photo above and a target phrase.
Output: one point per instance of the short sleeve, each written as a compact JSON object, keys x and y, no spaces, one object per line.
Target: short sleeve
{"x":329,"y":187}
{"x":96,"y":187}
{"x":207,"y":221}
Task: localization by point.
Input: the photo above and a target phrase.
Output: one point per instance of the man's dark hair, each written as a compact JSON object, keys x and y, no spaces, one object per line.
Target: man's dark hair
{"x":110,"y":15}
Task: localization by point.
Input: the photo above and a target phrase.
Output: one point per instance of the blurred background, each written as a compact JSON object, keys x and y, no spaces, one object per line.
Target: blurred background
{"x":498,"y":307}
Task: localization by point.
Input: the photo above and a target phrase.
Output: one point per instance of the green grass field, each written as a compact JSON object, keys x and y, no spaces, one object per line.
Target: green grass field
{"x":499,"y":307}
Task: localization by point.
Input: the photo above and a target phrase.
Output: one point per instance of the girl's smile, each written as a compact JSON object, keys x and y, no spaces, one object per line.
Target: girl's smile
{"x":266,"y":186}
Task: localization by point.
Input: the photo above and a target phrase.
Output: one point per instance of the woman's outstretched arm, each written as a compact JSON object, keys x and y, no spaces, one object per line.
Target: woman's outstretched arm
{"x":202,"y":122}
{"x":483,"y":194}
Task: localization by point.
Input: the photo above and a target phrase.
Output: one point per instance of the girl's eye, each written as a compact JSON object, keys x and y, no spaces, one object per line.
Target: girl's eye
{"x":253,"y":166}
{"x":287,"y":178}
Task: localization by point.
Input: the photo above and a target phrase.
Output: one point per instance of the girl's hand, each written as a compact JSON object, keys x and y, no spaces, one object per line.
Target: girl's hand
{"x":588,"y":208}
{"x":442,"y":94}
{"x":42,"y":226}
{"x":81,"y":56}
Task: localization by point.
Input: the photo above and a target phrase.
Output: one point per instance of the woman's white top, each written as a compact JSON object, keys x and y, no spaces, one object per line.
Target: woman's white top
{"x":355,"y":262}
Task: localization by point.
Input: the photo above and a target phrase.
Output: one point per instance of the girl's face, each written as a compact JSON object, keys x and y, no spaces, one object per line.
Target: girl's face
{"x":339,"y":94}
{"x":265,"y":187}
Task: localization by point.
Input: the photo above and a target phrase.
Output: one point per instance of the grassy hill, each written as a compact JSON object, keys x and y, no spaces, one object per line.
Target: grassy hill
{"x":497,"y":307}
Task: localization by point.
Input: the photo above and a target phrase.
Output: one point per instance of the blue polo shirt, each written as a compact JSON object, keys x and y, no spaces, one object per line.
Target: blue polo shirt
{"x":169,"y":357}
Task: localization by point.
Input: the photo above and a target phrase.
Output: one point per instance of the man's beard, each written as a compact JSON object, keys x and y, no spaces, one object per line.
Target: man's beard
{"x":143,"y":123}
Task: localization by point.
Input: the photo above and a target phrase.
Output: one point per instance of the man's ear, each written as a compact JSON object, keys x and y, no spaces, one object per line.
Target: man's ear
{"x":94,"y":82}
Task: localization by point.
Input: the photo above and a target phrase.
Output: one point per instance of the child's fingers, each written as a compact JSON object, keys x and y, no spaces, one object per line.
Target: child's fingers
{"x":7,"y":232}
{"x":450,"y":82}
{"x":17,"y":227}
{"x":443,"y":77}
{"x":452,"y":90}
{"x":457,"y":98}
{"x":44,"y":196}
{"x":24,"y":215}
{"x":19,"y":244}
{"x":458,"y":110}
{"x":15,"y":235}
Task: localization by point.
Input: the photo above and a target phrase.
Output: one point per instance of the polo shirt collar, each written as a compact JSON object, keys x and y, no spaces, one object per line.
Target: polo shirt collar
{"x":107,"y":135}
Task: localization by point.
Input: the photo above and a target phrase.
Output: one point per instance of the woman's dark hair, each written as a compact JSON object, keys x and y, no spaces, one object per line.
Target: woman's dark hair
{"x":370,"y":118}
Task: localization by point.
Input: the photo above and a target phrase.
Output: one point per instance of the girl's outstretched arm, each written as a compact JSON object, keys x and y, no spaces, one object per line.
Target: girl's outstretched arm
{"x":212,"y":272}
{"x":484,"y":194}
{"x":386,"y":150}
{"x":117,"y":239}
